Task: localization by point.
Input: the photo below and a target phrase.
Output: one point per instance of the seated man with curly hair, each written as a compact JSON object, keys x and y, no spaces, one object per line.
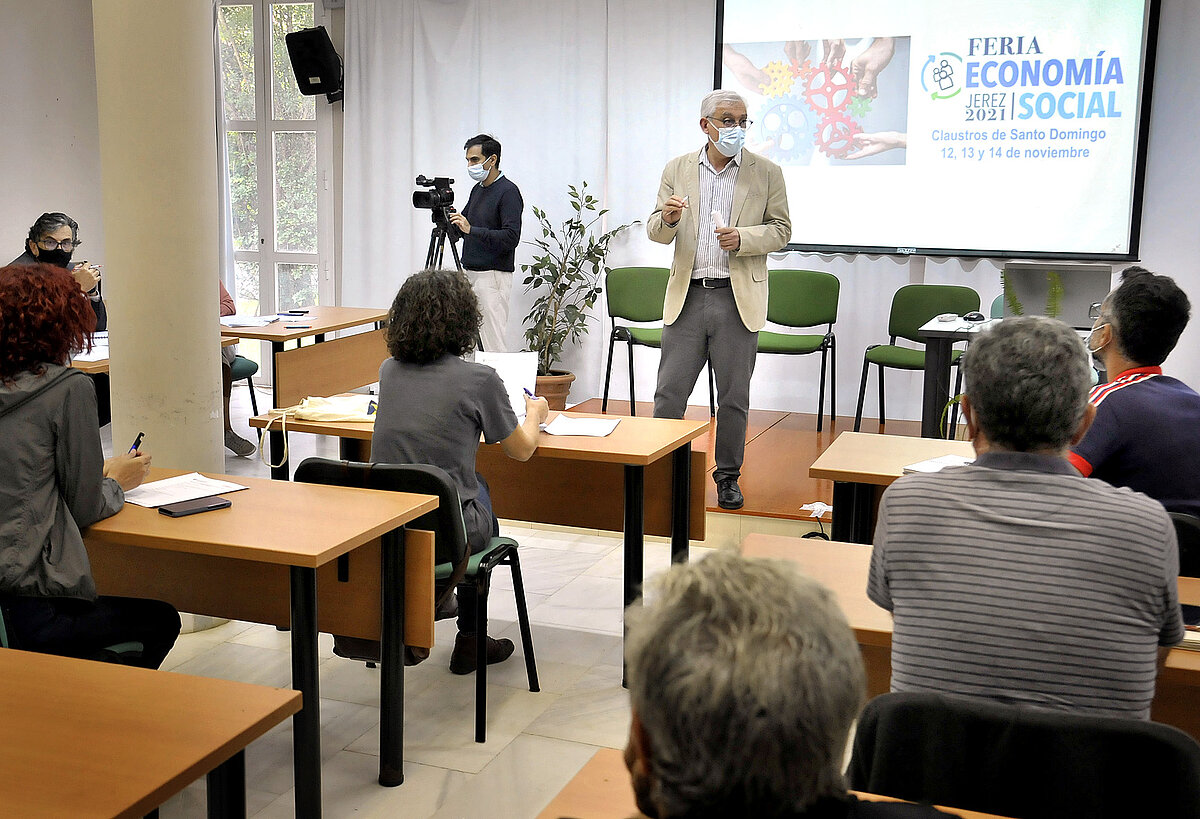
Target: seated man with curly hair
{"x":433,"y":407}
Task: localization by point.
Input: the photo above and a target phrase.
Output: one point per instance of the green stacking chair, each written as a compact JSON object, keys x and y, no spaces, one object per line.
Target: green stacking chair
{"x":805,"y":298}
{"x":912,"y":306}
{"x":245,"y":368}
{"x":997,"y":310}
{"x":453,"y":563}
{"x":636,"y":294}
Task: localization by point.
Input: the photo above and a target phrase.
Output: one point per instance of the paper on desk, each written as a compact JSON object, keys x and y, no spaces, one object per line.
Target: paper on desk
{"x":518,"y":371}
{"x":247,"y":321}
{"x":938,"y":464}
{"x":180,"y":488}
{"x":564,"y":424}
{"x":99,"y":353}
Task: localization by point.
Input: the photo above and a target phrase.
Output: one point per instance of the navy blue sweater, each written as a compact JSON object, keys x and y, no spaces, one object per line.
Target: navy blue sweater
{"x":495,"y":216}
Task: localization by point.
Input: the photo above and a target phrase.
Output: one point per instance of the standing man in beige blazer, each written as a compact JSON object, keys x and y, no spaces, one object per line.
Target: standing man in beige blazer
{"x":725,"y":209}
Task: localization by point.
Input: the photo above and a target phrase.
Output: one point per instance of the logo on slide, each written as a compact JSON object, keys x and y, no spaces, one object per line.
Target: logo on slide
{"x":941,"y":75}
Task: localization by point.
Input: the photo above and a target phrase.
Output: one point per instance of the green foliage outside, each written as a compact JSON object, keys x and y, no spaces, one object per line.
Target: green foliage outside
{"x":565,"y":277}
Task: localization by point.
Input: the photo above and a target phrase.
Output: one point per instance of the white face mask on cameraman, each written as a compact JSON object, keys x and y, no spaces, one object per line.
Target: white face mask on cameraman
{"x":478,"y":172}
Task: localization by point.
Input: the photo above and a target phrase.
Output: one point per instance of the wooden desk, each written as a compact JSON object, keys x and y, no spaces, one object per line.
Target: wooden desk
{"x":601,"y":790}
{"x":100,"y":365}
{"x":862,"y":464}
{"x":325,"y":367}
{"x":843,"y":567}
{"x":231,"y":563}
{"x":90,"y":739}
{"x":553,"y":488}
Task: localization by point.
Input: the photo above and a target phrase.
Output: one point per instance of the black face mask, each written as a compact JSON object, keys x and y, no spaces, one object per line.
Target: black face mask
{"x":57,"y":257}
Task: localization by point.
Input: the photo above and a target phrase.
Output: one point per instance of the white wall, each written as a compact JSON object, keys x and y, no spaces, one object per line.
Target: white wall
{"x":49,"y":136}
{"x":51,"y":162}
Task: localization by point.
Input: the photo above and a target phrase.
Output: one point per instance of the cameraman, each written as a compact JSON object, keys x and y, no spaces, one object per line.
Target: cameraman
{"x":491,"y":227}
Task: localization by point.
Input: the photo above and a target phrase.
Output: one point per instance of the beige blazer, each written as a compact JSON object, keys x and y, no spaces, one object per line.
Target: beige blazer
{"x":760,"y":213}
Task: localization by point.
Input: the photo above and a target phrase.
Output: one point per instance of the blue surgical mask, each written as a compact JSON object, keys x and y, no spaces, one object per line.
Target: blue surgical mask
{"x":730,"y":140}
{"x":478,"y":172}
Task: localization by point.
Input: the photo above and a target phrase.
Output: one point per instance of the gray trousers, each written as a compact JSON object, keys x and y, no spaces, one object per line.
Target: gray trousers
{"x":709,"y":327}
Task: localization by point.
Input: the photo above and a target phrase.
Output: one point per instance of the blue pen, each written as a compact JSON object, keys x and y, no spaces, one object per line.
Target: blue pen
{"x":137,"y":442}
{"x":527,"y":392}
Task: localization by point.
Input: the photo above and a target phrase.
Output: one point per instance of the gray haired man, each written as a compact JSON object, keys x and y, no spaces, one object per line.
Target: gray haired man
{"x":744,"y":678}
{"x":725,"y":209}
{"x":1014,"y":578}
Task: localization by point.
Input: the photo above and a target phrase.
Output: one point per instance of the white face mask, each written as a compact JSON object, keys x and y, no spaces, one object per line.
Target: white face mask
{"x":730,"y":140}
{"x":1088,"y":344}
{"x":478,"y":172}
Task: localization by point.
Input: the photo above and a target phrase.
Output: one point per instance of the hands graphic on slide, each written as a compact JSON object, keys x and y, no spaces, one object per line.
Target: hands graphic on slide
{"x":866,"y":66}
{"x":870,"y":144}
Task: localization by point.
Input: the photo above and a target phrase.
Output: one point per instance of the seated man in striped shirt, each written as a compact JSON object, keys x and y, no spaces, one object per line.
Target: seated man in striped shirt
{"x":1015,"y":578}
{"x":1147,"y":430}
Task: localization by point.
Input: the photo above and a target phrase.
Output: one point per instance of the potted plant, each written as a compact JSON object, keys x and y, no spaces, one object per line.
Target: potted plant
{"x":566,"y":276}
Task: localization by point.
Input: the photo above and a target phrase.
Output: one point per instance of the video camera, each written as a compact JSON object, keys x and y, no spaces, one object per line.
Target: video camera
{"x":440,"y":201}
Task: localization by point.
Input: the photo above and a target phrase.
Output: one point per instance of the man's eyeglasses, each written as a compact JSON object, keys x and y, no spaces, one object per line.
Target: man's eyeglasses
{"x":1094,"y":311}
{"x":50,"y":244}
{"x":730,"y":122}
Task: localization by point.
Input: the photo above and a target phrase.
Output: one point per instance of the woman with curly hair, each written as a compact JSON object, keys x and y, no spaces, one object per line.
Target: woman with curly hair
{"x":54,"y":480}
{"x":433,"y":407}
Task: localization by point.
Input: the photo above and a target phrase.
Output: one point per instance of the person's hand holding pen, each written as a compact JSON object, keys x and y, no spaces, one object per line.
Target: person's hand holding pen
{"x":130,"y":469}
{"x":672,"y":210}
{"x":535,"y":408}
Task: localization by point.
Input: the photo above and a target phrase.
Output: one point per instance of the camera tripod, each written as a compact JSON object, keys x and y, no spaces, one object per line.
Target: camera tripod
{"x":438,"y":237}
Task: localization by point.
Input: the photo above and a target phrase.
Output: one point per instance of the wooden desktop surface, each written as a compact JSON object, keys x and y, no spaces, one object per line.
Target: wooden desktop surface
{"x":601,"y":790}
{"x":318,"y":320}
{"x":843,"y":567}
{"x":101,"y":365}
{"x":636,"y":440}
{"x":865,"y":457}
{"x":295,"y":524}
{"x":84,"y":739}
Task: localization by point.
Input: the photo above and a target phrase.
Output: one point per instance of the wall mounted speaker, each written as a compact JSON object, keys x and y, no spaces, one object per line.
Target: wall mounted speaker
{"x":317,"y":67}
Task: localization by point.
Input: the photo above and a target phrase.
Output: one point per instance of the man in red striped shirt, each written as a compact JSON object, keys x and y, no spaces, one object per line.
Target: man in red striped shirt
{"x":1147,"y":430}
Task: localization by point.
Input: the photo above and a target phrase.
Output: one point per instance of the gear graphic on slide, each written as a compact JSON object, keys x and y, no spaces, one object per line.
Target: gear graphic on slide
{"x":860,"y":106}
{"x":802,"y":70}
{"x":788,"y":125}
{"x":829,"y":88}
{"x":835,"y":135}
{"x":781,"y":79}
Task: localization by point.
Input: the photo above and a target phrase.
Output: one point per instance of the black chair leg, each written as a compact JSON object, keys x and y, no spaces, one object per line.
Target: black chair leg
{"x":862,"y":394}
{"x":253,"y":398}
{"x":882,"y":412}
{"x":712,"y":392}
{"x":632,"y":391}
{"x":612,"y":342}
{"x":832,"y":382}
{"x":821,"y":392}
{"x":954,"y":410}
{"x":481,"y":646}
{"x":514,"y":564}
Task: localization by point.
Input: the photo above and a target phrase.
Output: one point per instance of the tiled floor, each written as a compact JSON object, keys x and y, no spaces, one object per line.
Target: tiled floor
{"x":536,"y":742}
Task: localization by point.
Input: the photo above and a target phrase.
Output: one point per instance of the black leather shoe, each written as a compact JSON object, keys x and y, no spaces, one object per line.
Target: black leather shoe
{"x":729,"y":496}
{"x":462,"y":659}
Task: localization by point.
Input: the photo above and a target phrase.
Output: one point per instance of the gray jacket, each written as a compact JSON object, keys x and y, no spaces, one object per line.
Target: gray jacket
{"x":51,"y":483}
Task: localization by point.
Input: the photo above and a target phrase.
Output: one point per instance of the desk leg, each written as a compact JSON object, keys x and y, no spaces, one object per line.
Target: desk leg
{"x":226,"y":785}
{"x":635,"y":529}
{"x":681,"y":495}
{"x":276,"y":438}
{"x":391,"y":687}
{"x":306,"y":724}
{"x":853,"y":504}
{"x":936,"y":389}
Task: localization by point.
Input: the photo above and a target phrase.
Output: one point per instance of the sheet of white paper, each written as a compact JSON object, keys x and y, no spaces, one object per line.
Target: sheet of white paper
{"x":564,"y":424}
{"x":247,"y":321}
{"x":518,"y":371}
{"x":180,"y":488}
{"x":99,"y":353}
{"x":817,"y":508}
{"x":938,"y":464}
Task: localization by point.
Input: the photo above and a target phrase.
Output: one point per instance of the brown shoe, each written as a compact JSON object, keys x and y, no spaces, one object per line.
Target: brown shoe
{"x":367,"y":651}
{"x":462,"y":660}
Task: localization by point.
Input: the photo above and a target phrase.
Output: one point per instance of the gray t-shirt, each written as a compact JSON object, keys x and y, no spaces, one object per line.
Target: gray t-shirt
{"x":1016,"y":579}
{"x":434,"y":414}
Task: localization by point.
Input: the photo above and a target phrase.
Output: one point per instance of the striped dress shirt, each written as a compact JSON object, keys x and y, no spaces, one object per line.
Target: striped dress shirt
{"x":1018,"y":580}
{"x":716,"y":193}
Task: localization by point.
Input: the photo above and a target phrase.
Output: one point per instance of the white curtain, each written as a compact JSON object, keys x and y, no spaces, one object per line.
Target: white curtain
{"x":599,"y":90}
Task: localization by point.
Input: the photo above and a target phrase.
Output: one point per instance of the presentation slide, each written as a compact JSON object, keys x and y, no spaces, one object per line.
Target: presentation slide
{"x":990,"y":128}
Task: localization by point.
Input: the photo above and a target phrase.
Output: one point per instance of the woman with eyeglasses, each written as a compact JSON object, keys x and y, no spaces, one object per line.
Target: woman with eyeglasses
{"x":52,"y":240}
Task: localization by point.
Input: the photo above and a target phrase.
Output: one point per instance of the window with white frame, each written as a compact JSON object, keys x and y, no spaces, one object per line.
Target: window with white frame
{"x":278,"y":160}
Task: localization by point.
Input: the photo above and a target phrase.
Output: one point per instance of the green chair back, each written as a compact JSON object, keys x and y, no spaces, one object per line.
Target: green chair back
{"x":997,"y":307}
{"x":915,"y":304}
{"x":636,"y":293}
{"x":802,"y":298}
